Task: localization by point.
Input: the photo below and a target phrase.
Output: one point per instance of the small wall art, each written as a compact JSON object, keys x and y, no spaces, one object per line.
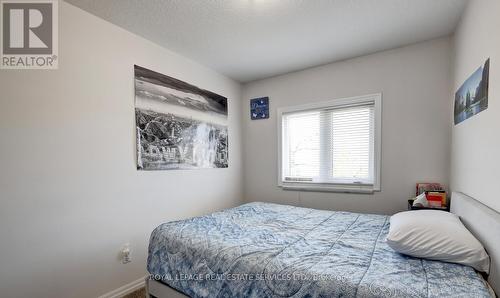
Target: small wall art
{"x":259,"y":108}
{"x":472,"y":97}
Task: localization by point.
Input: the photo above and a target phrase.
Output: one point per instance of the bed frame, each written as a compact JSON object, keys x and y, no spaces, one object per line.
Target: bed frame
{"x":158,"y":289}
{"x":481,"y":220}
{"x":484,"y":223}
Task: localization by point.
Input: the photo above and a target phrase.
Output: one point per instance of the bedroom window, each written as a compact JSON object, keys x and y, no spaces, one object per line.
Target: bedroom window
{"x":331,"y":146}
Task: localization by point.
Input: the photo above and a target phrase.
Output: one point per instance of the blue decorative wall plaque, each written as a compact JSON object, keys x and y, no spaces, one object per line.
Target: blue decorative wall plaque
{"x":259,"y":108}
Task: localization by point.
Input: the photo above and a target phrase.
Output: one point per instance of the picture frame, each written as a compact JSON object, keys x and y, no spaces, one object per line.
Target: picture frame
{"x":259,"y":108}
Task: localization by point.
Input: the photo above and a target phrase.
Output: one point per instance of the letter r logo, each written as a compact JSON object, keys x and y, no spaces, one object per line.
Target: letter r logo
{"x":27,"y":28}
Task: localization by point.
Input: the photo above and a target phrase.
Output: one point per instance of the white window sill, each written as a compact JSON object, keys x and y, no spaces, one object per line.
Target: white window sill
{"x":360,"y":189}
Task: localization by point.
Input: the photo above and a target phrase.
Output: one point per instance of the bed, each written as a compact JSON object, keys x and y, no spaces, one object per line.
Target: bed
{"x":269,"y":250}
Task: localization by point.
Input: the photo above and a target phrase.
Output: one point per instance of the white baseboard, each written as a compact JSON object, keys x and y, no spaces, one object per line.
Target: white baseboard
{"x":126,"y":289}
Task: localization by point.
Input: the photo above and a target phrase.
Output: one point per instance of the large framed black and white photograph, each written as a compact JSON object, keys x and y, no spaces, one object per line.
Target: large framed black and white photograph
{"x":178,"y":125}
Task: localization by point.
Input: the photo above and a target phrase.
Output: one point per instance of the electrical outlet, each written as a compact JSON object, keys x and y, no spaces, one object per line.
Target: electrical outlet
{"x":125,"y":254}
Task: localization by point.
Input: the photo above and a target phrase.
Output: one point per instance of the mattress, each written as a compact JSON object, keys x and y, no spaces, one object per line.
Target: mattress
{"x":270,"y":250}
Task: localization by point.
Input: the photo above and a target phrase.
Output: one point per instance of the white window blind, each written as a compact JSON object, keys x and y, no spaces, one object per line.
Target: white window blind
{"x":332,"y":144}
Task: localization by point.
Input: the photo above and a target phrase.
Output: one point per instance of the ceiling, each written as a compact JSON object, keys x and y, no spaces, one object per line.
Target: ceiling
{"x":254,"y":39}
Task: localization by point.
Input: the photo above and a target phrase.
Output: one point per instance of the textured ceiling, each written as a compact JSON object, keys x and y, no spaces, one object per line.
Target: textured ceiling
{"x":253,"y":39}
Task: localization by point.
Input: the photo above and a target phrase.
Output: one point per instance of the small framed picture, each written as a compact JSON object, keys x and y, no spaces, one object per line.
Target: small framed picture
{"x":259,"y":108}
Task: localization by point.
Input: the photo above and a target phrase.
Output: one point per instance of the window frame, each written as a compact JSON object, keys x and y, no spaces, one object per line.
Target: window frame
{"x":376,"y":99}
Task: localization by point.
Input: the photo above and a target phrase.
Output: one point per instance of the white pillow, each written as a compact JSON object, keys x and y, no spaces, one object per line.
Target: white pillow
{"x":436,"y":235}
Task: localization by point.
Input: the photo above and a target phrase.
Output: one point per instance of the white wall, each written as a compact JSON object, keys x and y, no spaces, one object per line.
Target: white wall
{"x":476,"y":142}
{"x":415,"y":82}
{"x":70,"y":194}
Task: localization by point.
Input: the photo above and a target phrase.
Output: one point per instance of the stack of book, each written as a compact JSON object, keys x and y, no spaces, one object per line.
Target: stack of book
{"x":435,"y":195}
{"x":436,"y":198}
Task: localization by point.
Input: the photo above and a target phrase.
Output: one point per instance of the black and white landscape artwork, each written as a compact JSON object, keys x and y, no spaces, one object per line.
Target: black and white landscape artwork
{"x":179,"y":126}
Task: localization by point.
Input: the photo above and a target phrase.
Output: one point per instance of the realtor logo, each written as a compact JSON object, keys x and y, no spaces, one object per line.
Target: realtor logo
{"x":29,"y":34}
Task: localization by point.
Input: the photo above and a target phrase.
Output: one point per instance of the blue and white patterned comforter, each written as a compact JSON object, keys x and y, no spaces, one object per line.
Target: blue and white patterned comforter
{"x":269,"y":250}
